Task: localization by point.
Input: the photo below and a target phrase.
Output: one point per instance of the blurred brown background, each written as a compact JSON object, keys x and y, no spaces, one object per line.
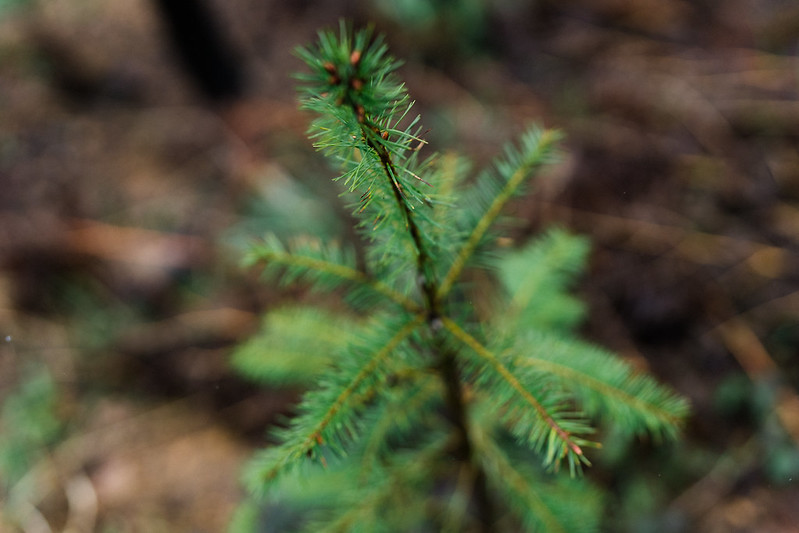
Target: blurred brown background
{"x":127,"y":194}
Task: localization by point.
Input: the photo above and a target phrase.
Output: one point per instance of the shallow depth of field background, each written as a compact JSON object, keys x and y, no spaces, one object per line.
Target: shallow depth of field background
{"x":126,"y":202}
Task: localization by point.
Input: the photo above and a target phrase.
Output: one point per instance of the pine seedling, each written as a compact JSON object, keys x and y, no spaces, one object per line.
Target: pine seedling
{"x":423,"y":415}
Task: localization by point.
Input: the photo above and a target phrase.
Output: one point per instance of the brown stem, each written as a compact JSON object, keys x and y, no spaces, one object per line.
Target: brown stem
{"x":465,"y":451}
{"x":447,"y":363}
{"x":423,"y":259}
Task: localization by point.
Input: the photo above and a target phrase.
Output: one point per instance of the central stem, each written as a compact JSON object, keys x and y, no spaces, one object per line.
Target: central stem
{"x":423,"y":267}
{"x":447,"y":363}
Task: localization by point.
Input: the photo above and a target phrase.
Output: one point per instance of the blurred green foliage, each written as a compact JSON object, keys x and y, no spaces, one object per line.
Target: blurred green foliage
{"x":28,"y":425}
{"x":9,"y":5}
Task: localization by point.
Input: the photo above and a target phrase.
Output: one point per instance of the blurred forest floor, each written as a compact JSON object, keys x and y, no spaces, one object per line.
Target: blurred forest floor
{"x":125,"y":201}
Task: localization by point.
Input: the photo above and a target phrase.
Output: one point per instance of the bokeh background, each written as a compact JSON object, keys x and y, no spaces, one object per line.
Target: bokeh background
{"x":128,"y":194}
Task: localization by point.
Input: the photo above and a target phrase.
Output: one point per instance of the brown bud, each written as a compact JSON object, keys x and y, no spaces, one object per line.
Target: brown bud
{"x":361,"y":113}
{"x":329,"y":67}
{"x":355,"y":57}
{"x":333,"y":80}
{"x":357,"y":84}
{"x":384,"y":135}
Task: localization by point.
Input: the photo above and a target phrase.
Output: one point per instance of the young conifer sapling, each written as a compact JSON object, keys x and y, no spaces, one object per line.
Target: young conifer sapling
{"x":423,"y":414}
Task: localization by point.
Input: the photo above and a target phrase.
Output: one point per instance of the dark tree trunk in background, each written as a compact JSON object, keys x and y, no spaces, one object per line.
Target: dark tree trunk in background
{"x":204,"y":49}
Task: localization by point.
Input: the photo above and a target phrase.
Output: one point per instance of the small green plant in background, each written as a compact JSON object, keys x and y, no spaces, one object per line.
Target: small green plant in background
{"x":425,"y":411}
{"x":29,"y":426}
